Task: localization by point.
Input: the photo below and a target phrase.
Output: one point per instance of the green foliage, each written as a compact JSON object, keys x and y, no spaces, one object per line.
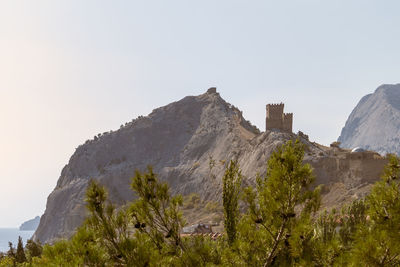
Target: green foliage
{"x":230,"y":196}
{"x":326,"y":245}
{"x":392,"y":169}
{"x":278,"y":225}
{"x":212,"y":206}
{"x":156,"y":213}
{"x":7,"y":262}
{"x":279,"y":211}
{"x":81,"y":250}
{"x":109,"y":227}
{"x":20,"y":254}
{"x":11,"y":254}
{"x":33,"y":249}
{"x":378,"y":239}
{"x":200,"y":251}
{"x":191,"y":201}
{"x":335,"y":234}
{"x":351,"y":217}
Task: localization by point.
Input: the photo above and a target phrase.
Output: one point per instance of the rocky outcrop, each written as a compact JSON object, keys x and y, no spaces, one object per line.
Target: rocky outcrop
{"x":30,"y":225}
{"x":374,"y":124}
{"x":189,"y":143}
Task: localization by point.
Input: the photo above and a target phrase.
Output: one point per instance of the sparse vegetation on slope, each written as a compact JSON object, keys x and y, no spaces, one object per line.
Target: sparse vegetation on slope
{"x":278,"y":225}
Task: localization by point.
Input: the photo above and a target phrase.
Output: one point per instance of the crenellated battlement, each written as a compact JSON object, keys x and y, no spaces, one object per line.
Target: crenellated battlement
{"x":276,"y":119}
{"x":276,"y":104}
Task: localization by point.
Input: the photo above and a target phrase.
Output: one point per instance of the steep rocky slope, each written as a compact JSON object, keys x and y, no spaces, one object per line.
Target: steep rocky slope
{"x":188,"y":143}
{"x":375,"y":122}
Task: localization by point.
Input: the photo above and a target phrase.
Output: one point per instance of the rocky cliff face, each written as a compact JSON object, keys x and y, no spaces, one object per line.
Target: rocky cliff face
{"x":188,"y":143}
{"x":375,"y":122}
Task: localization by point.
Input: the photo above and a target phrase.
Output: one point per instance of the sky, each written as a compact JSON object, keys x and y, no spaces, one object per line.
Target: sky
{"x":72,"y":69}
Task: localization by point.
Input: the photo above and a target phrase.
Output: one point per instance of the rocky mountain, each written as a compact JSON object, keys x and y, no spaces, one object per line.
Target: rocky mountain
{"x":374,"y":124}
{"x":189,"y":143}
{"x":30,"y":225}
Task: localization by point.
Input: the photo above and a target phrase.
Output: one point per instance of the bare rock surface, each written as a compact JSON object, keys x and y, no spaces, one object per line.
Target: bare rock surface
{"x":189,"y":143}
{"x":374,"y":124}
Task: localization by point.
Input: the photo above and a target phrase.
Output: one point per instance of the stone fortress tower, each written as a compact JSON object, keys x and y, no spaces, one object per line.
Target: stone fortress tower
{"x":278,"y":120}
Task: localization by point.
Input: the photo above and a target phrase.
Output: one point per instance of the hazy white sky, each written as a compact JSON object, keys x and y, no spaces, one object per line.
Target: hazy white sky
{"x":71,"y":69}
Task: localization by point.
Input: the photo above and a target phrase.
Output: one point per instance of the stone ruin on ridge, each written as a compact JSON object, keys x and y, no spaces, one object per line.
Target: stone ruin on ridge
{"x":278,"y":120}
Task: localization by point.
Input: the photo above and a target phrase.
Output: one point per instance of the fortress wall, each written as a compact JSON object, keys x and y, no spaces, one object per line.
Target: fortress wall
{"x":288,"y":122}
{"x":276,"y":119}
{"x":349,"y":170}
{"x":275,"y":110}
{"x":274,"y":116}
{"x":273,"y":124}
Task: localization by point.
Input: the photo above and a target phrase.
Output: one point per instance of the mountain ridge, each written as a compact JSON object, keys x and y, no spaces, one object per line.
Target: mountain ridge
{"x":180,"y":140}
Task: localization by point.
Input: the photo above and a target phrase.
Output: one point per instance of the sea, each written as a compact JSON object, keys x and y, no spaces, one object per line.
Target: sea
{"x":11,"y":234}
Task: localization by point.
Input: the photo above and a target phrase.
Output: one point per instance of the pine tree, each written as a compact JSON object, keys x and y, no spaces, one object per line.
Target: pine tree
{"x":378,"y":239}
{"x":279,"y":219}
{"x":34,"y":249}
{"x":335,"y":232}
{"x":113,"y":230}
{"x":20,"y":254}
{"x":11,"y":253}
{"x":156,"y":213}
{"x":230,"y":195}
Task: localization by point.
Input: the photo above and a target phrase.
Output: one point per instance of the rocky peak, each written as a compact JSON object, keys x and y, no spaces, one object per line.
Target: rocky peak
{"x":375,"y":122}
{"x":189,"y":143}
{"x":176,"y":140}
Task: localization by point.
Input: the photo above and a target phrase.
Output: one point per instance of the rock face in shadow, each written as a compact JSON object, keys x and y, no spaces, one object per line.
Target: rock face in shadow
{"x":374,"y":124}
{"x":189,"y":143}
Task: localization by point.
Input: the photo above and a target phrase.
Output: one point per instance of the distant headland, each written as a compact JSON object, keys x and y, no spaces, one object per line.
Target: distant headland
{"x":30,"y":225}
